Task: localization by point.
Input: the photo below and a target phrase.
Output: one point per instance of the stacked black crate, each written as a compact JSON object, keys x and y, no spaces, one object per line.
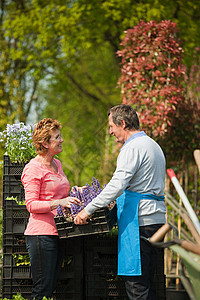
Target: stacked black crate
{"x":70,"y":280}
{"x":100,"y":269}
{"x":16,"y":268}
{"x":90,"y":265}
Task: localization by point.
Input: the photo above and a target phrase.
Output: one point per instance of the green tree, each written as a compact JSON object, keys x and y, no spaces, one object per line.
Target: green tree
{"x":81,"y":106}
{"x":39,"y":37}
{"x":36,"y":35}
{"x":19,"y":79}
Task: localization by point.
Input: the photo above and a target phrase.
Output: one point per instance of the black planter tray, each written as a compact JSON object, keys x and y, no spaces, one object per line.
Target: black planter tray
{"x":101,"y":221}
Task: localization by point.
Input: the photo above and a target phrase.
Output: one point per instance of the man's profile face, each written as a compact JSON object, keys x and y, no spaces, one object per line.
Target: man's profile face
{"x":117,"y":130}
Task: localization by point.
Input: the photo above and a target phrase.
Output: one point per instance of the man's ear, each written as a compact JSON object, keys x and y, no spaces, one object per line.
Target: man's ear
{"x":123,"y":124}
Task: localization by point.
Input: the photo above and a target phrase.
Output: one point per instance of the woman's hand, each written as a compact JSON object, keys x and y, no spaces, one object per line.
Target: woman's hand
{"x":81,"y":218}
{"x":79,"y":188}
{"x":66,"y":202}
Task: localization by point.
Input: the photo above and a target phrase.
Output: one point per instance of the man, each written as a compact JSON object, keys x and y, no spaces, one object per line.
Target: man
{"x":137,"y":184}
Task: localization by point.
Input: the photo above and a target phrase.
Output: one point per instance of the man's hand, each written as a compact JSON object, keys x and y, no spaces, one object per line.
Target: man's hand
{"x":81,"y":218}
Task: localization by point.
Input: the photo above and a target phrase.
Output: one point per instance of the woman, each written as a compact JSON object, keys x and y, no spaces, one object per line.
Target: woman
{"x":45,"y":186}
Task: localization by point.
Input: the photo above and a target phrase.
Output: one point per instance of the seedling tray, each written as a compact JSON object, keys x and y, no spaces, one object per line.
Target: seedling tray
{"x":100,"y":222}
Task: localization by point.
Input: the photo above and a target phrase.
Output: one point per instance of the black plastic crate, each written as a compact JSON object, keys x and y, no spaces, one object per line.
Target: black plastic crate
{"x":13,"y":240}
{"x":70,"y":288}
{"x":63,"y":290}
{"x":10,"y":168}
{"x":102,"y":262}
{"x":19,"y":272}
{"x":12,"y":209}
{"x":11,"y":270}
{"x":99,"y":223}
{"x":12,"y":187}
{"x":101,"y":259}
{"x":21,"y":249}
{"x":105,"y":287}
{"x":73,"y":260}
{"x":15,"y":218}
{"x":12,"y":183}
{"x":101,"y":254}
{"x":70,"y":281}
{"x":13,"y":286}
{"x":17,"y":225}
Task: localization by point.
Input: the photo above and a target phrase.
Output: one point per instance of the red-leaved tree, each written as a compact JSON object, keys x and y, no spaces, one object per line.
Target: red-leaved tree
{"x":152,"y":81}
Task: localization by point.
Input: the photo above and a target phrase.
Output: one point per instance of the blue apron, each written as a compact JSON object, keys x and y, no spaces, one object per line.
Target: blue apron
{"x":129,"y":261}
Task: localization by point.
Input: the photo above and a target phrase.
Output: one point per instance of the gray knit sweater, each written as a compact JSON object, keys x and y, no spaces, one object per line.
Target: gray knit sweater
{"x":140,"y":168}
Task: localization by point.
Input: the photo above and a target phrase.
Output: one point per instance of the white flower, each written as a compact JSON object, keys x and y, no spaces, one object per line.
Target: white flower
{"x":18,"y":142}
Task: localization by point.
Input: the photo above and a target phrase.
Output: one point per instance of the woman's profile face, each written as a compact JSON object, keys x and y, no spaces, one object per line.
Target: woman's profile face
{"x":54,"y":145}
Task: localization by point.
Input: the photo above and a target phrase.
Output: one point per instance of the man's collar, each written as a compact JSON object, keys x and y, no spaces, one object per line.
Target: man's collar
{"x":134,"y":136}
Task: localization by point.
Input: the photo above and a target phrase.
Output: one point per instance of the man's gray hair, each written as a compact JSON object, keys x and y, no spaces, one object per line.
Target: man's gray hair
{"x":126,"y":113}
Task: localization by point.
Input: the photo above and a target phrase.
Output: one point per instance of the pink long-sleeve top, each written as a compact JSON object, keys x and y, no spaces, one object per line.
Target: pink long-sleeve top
{"x":41,"y":187}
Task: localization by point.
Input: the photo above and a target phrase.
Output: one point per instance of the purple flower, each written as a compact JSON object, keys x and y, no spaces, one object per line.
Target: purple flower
{"x":60,"y":211}
{"x":87,"y":195}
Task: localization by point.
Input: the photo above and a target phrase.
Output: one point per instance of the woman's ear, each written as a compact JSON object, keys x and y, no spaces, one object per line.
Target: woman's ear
{"x":45,"y":145}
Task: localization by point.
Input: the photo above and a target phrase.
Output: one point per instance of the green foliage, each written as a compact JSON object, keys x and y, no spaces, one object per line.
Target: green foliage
{"x":15,"y":199}
{"x":28,"y":33}
{"x":17,"y":139}
{"x":21,"y":259}
{"x":18,"y":296}
{"x":41,"y":38}
{"x":183,"y":134}
{"x":17,"y":82}
{"x":81,"y":107}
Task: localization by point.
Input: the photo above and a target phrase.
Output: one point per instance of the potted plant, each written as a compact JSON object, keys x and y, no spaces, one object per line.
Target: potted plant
{"x":17,"y":141}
